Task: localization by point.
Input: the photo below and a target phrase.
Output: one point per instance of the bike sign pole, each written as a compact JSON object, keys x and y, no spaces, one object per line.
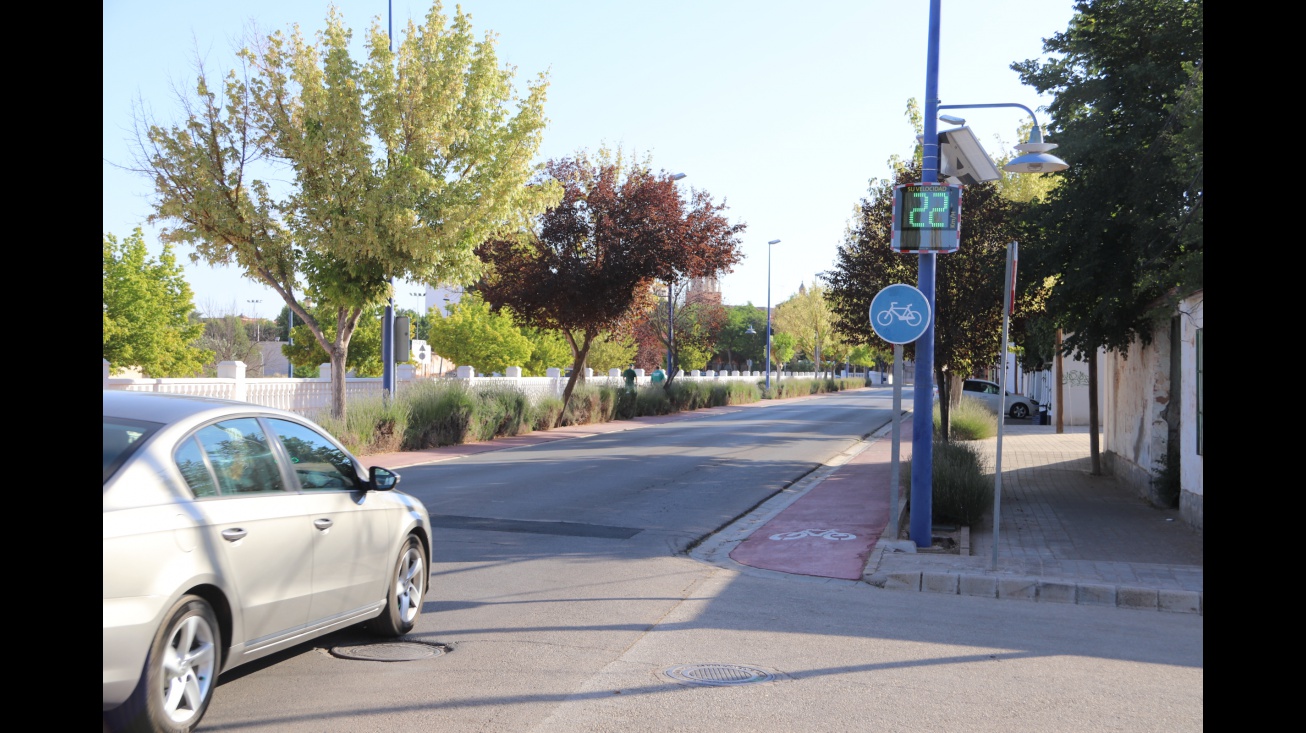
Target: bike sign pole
{"x":896,"y":460}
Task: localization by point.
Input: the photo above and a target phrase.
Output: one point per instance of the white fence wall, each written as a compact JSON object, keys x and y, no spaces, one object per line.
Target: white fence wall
{"x":308,"y":395}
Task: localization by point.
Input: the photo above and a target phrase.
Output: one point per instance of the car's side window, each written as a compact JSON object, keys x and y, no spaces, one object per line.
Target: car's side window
{"x":990,"y":389}
{"x":239,"y":453}
{"x":970,"y":387}
{"x":318,"y":463}
{"x":190,"y":461}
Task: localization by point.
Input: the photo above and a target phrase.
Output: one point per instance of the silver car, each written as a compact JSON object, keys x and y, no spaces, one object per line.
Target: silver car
{"x":233,"y":531}
{"x":986,"y":392}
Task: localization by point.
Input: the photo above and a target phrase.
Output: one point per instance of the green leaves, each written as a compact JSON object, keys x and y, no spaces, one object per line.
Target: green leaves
{"x":147,"y":309}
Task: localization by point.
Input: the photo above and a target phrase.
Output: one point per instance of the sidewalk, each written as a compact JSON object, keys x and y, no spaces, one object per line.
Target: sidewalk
{"x":1065,"y":535}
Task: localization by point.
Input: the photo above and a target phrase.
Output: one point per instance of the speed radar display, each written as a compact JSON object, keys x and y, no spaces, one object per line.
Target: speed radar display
{"x":926,"y":217}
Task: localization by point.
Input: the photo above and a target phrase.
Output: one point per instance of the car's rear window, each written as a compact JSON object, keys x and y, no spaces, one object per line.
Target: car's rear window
{"x":122,"y":436}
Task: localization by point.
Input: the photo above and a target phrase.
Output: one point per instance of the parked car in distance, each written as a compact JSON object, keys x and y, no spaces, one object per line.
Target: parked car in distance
{"x":233,"y":531}
{"x":1017,"y":406}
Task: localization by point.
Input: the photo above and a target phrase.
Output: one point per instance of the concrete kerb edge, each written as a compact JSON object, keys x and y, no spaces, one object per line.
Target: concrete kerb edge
{"x":1041,"y":591}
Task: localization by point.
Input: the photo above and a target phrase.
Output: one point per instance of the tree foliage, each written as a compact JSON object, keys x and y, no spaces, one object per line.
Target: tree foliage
{"x":148,"y":311}
{"x":1123,"y":234}
{"x":735,"y":346}
{"x":319,"y":174}
{"x":364,"y":356}
{"x":474,"y":335}
{"x":807,"y":317}
{"x":586,"y":266}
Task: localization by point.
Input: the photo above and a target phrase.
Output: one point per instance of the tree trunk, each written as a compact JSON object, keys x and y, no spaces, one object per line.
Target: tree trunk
{"x":580,"y":353}
{"x":338,"y":384}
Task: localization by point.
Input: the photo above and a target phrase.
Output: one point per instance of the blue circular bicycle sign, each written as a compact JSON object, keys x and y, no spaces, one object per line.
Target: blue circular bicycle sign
{"x":900,"y":314}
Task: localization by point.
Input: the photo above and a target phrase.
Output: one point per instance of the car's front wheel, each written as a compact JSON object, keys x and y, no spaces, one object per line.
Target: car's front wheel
{"x":180,"y":671}
{"x":1019,"y":411}
{"x":403,"y":601}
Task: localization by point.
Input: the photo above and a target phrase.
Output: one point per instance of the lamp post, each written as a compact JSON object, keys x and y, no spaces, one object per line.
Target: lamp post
{"x":922,"y":458}
{"x":258,"y":322}
{"x":768,"y":312}
{"x":671,"y":311}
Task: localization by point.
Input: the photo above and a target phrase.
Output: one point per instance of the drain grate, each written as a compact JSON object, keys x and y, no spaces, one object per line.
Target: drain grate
{"x":399,"y":651}
{"x":718,"y":675}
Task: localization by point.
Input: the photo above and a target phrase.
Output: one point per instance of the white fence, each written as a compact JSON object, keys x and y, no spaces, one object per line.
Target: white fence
{"x":308,"y":395}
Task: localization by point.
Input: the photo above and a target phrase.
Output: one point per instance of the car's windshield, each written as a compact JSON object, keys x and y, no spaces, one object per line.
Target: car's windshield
{"x":121,"y":438}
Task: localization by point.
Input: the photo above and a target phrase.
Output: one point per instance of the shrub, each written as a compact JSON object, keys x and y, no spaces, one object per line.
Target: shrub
{"x":545,"y":412}
{"x":439,"y":413}
{"x":372,"y":425}
{"x":586,"y":406}
{"x":503,"y":411}
{"x":969,"y":420}
{"x":652,"y":401}
{"x":961,"y":490}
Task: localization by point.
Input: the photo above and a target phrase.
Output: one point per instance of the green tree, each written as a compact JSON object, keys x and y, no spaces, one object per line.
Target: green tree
{"x":364,"y":357}
{"x":476,"y":336}
{"x":734,"y":344}
{"x":548,"y":349}
{"x":392,"y":168}
{"x":611,"y":352}
{"x":807,"y":317}
{"x":147,"y":311}
{"x":782,"y":349}
{"x":1122,"y":235}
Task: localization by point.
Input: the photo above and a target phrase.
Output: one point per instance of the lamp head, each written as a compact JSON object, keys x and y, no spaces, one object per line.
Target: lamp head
{"x":774,"y":241}
{"x":1036,"y":163}
{"x":677,"y":176}
{"x":750,"y":330}
{"x":1035,"y":144}
{"x":952,"y":120}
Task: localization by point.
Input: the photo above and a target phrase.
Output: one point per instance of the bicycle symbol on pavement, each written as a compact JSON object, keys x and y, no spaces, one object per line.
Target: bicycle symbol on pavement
{"x":829,"y":534}
{"x":902,"y":313}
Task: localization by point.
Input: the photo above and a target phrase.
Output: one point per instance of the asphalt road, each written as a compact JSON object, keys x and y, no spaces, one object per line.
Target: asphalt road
{"x":563,"y":601}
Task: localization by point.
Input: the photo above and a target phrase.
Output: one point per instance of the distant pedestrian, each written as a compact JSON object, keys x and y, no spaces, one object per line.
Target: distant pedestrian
{"x":629,"y":376}
{"x":658,"y":377}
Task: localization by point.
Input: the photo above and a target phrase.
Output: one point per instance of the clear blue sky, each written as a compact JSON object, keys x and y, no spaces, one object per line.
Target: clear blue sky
{"x":785,"y":110}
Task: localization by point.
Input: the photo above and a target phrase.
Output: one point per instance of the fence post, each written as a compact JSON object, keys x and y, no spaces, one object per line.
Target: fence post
{"x":466,"y":372}
{"x":234,"y":370}
{"x":105,"y":364}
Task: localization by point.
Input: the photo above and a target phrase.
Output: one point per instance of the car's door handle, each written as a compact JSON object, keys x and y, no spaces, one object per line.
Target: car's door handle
{"x":322,"y":523}
{"x":231,"y":535}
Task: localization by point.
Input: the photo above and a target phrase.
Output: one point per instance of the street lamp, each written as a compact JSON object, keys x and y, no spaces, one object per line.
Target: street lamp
{"x":671,"y":311}
{"x":922,"y":458}
{"x":768,"y":312}
{"x":258,"y":322}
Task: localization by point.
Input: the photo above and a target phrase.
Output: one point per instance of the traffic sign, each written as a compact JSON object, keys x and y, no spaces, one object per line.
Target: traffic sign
{"x":926,"y":218}
{"x":900,"y":313}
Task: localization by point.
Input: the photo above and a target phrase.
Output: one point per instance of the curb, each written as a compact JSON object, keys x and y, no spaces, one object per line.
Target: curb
{"x":1031,"y":588}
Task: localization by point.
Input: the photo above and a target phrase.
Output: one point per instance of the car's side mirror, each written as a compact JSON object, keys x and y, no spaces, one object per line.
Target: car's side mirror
{"x":382,"y":479}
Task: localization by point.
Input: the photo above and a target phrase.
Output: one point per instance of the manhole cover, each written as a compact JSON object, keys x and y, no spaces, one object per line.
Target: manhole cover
{"x":718,"y":675}
{"x":400,"y":651}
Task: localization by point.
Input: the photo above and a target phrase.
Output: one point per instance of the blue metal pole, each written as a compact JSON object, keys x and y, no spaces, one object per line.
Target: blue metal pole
{"x":922,"y":436}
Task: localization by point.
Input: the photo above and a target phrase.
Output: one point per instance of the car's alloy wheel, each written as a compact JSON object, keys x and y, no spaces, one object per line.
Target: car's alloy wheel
{"x":182,"y":666}
{"x":1019,"y":411}
{"x":407,"y":589}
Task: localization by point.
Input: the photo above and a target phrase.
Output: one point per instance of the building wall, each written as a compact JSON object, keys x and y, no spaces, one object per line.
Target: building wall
{"x":1190,"y":476}
{"x":1148,"y":414}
